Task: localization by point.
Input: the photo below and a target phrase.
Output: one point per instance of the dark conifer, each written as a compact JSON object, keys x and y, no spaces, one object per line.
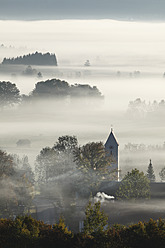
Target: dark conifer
{"x":150,"y":172}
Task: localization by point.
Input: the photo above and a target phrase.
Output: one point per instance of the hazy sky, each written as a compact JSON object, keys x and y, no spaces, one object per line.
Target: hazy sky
{"x":87,"y":9}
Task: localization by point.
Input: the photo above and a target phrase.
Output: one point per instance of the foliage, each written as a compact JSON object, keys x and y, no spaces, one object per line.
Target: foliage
{"x":9,"y":94}
{"x":16,"y":185}
{"x":55,"y":161}
{"x":135,"y":185}
{"x":92,"y":161}
{"x":45,"y":165}
{"x":140,"y":109}
{"x":150,"y":173}
{"x":162,"y":174}
{"x":55,"y":88}
{"x":92,"y":158}
{"x":8,"y":198}
{"x":25,"y":193}
{"x":29,"y":71}
{"x":130,"y":147}
{"x":7,"y":166}
{"x":66,"y":144}
{"x":96,"y":220}
{"x":84,"y":90}
{"x":21,"y":232}
{"x":57,"y":235}
{"x":16,"y":196}
{"x":142,"y":234}
{"x":33,"y":59}
{"x":61,"y":228}
{"x":26,"y":232}
{"x":27,"y":170}
{"x":51,"y":88}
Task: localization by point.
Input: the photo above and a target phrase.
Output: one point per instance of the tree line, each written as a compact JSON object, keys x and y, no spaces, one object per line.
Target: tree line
{"x":140,"y":108}
{"x":50,"y":89}
{"x":32,"y":59}
{"x":132,"y":147}
{"x":26,"y":232}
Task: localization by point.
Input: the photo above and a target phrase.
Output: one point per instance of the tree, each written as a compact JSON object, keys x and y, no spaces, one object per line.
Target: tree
{"x":15,"y":186}
{"x":93,"y":164}
{"x":96,"y":220}
{"x":45,"y":164}
{"x":85,"y":90}
{"x":39,"y":74}
{"x":137,"y":108}
{"x":9,"y":94}
{"x":51,"y":89}
{"x":29,"y":71}
{"x":66,"y":144}
{"x":57,"y":236}
{"x":91,"y":158}
{"x":65,"y":147}
{"x":162,"y":174}
{"x":24,"y":193}
{"x":8,"y":197}
{"x":135,"y":185}
{"x":7,"y":166}
{"x":150,"y":172}
{"x":58,"y":160}
{"x":56,"y":88}
{"x":27,"y":170}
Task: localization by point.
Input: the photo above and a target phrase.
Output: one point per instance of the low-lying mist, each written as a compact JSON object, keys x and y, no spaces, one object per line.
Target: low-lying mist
{"x":126,"y":63}
{"x":101,"y":41}
{"x":43,"y":121}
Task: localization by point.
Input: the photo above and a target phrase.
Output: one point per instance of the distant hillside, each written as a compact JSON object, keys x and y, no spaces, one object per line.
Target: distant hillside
{"x":32,"y":59}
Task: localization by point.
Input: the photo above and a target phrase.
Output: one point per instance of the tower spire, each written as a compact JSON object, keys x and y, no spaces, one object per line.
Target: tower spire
{"x":111,"y":128}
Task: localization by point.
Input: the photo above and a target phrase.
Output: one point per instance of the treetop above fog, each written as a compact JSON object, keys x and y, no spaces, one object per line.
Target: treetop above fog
{"x":9,"y":94}
{"x":66,"y":143}
{"x":32,"y":59}
{"x":57,"y":87}
{"x":50,"y":89}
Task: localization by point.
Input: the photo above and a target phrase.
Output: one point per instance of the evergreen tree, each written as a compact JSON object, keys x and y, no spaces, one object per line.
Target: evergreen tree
{"x":162,"y":174}
{"x":96,"y":220}
{"x":150,"y":172}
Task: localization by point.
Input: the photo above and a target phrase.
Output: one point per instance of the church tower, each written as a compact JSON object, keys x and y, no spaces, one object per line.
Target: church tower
{"x":112,"y":150}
